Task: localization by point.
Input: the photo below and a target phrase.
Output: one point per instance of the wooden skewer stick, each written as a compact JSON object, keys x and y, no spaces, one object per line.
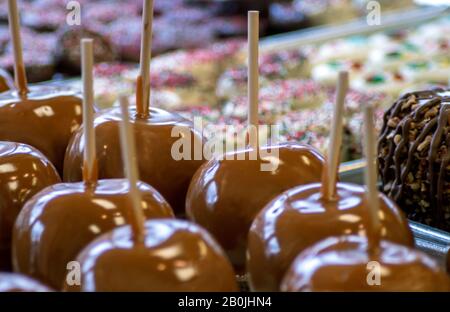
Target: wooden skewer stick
{"x":14,"y":28}
{"x":370,"y":173}
{"x":334,"y":148}
{"x":253,"y":77}
{"x":87,"y":63}
{"x":129,"y":157}
{"x":143,"y":81}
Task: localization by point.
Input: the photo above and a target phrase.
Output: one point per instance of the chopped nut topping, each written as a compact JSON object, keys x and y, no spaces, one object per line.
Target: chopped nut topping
{"x":410,"y":178}
{"x":393,"y":122}
{"x":432,"y":112}
{"x":397,"y":139}
{"x":425,"y":143}
{"x":411,"y":100}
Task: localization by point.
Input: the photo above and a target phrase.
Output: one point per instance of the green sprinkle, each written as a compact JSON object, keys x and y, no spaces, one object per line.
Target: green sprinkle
{"x":411,"y":47}
{"x":376,"y":79}
{"x":334,"y":64}
{"x":418,"y":65}
{"x":394,"y":54}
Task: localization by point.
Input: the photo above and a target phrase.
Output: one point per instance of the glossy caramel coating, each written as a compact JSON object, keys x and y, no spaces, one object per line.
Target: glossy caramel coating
{"x":301,"y":217}
{"x":343,"y":264}
{"x":154,"y":143}
{"x":45,"y":118}
{"x":24,"y":171}
{"x":178,"y":256}
{"x":19,"y":283}
{"x":6,"y":82}
{"x":60,"y":221}
{"x":226,"y":195}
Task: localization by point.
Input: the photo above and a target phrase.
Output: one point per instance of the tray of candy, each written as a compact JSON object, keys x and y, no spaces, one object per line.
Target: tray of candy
{"x":433,"y":241}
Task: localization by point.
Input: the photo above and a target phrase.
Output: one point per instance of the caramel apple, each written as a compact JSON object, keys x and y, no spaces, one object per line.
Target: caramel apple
{"x":153,"y":130}
{"x":301,"y":217}
{"x":45,"y":118}
{"x":61,"y":220}
{"x":368,"y":262}
{"x":310,"y":213}
{"x":228,"y":192}
{"x":226,"y":195}
{"x":156,"y":165}
{"x":6,"y":82}
{"x":19,"y":283}
{"x":42,"y":116}
{"x":57,"y":223}
{"x":348,"y":264}
{"x":24,"y":171}
{"x":157,"y":255}
{"x":176,"y":256}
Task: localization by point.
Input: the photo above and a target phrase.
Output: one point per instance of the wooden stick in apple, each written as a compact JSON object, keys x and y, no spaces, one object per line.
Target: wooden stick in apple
{"x":90,"y":173}
{"x":129,"y":156}
{"x":253,"y":78}
{"x":329,"y":175}
{"x":143,"y":80}
{"x":14,"y":28}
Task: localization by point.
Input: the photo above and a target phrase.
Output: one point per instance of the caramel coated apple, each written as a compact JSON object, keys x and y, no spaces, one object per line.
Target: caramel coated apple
{"x":226,"y":195}
{"x":348,"y":264}
{"x":176,"y":256}
{"x":301,"y":217}
{"x":24,"y":171}
{"x":60,"y":221}
{"x":45,"y":118}
{"x":154,"y":139}
{"x":19,"y":283}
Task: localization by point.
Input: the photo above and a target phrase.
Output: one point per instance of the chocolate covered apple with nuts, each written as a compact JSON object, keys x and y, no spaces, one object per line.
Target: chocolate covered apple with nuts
{"x":413,"y":156}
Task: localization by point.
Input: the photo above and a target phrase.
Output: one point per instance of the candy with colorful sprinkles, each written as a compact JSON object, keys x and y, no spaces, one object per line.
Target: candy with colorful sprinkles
{"x":273,"y":66}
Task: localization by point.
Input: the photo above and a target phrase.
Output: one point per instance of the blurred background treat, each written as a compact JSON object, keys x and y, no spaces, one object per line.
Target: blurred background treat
{"x":178,"y":24}
{"x":199,"y":66}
